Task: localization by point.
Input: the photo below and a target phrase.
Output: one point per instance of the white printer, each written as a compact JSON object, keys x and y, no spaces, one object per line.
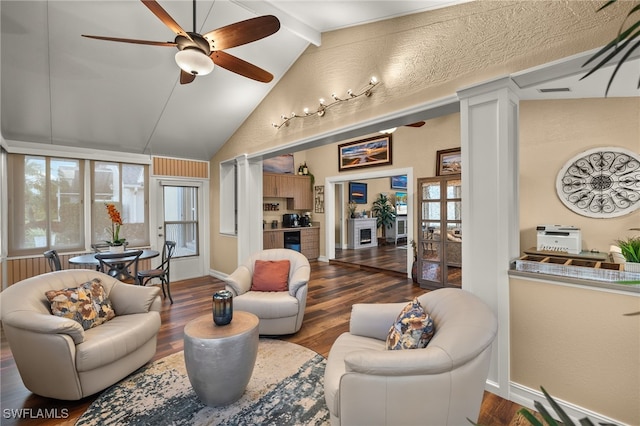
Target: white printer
{"x":566,"y":239}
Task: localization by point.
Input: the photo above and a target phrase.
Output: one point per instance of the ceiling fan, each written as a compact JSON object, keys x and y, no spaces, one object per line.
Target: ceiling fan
{"x":197,"y":53}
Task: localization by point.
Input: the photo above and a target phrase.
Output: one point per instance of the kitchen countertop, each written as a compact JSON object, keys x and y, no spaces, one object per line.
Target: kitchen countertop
{"x":268,"y":228}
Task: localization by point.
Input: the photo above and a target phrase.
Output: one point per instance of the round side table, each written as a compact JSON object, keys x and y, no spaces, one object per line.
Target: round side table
{"x":220,"y":359}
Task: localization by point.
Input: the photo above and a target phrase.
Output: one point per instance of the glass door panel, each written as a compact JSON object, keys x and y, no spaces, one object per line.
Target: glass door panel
{"x":440,"y":239}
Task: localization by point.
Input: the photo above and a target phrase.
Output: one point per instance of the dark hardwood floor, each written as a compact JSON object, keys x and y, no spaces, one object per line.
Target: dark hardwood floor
{"x":385,"y":258}
{"x":333,"y":288}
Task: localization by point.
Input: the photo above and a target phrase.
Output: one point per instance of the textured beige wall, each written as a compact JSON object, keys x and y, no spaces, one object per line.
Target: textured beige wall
{"x":577,"y":344}
{"x":551,"y":133}
{"x":418,"y":58}
{"x":411,"y":147}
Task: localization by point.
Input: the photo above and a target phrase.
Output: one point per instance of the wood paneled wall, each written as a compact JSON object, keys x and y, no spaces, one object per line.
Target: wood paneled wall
{"x":20,"y":269}
{"x":184,"y":168}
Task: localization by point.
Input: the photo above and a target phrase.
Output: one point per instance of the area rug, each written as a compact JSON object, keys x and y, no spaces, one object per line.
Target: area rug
{"x":286,"y":388}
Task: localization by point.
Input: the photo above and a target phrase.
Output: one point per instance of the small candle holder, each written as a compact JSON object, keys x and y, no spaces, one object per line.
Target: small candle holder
{"x":222,"y":307}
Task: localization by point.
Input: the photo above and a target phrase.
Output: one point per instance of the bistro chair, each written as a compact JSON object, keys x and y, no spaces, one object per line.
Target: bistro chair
{"x":53,"y":259}
{"x":162,"y":271}
{"x":123,"y":266}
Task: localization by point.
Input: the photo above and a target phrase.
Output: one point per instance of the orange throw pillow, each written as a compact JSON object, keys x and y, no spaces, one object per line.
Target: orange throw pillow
{"x":270,"y":275}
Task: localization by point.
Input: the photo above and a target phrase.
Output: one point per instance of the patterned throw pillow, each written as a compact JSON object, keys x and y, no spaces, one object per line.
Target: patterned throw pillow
{"x":87,"y":304}
{"x":413,"y":328}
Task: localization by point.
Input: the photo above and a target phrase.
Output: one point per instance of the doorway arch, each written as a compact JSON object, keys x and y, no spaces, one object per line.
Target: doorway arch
{"x":330,"y":204}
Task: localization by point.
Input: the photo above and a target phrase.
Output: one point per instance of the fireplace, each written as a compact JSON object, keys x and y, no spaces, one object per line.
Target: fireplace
{"x":361,"y":233}
{"x":365,"y":236}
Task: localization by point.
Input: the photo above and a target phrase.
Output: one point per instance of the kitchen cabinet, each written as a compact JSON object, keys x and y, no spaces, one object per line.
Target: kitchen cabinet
{"x":310,"y":242}
{"x":296,"y":189}
{"x":272,"y":239}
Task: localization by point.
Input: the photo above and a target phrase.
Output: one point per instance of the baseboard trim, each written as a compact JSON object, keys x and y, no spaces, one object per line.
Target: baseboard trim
{"x":526,"y":396}
{"x":217,"y":274}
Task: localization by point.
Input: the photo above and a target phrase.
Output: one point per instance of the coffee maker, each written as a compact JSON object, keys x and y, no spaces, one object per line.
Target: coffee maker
{"x":305,"y":220}
{"x":290,"y":220}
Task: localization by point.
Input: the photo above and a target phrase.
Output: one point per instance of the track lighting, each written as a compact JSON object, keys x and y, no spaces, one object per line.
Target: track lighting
{"x":323,"y":106}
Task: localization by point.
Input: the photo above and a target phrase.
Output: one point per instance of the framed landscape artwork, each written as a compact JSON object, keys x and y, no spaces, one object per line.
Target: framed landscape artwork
{"x":449,"y":162}
{"x":280,"y":164}
{"x":399,"y":182}
{"x":358,"y":192}
{"x":369,"y":152}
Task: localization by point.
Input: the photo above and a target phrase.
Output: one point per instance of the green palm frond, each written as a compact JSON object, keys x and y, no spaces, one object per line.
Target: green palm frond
{"x":627,"y":39}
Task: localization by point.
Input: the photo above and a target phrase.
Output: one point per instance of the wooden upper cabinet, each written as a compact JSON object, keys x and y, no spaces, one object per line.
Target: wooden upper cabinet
{"x":302,"y":197}
{"x":296,"y":189}
{"x":269,"y":185}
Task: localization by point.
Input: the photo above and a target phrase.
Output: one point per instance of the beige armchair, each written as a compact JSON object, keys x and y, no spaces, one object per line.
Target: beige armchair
{"x":280,"y":312}
{"x":442,"y":384}
{"x":56,"y":357}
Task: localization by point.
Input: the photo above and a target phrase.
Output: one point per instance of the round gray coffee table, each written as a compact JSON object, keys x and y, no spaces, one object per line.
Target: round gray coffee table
{"x":220,"y":359}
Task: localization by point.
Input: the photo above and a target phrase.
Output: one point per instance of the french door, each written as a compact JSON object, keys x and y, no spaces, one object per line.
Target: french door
{"x":440,"y":233}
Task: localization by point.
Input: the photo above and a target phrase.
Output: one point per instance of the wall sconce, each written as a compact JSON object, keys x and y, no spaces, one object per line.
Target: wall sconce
{"x":324,"y":106}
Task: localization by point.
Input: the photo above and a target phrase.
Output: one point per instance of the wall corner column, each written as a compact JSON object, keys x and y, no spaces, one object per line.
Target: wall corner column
{"x":489,"y":115}
{"x":249,"y":193}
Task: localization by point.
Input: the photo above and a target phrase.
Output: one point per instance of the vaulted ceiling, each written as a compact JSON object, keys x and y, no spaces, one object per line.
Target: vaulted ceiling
{"x":63,"y":89}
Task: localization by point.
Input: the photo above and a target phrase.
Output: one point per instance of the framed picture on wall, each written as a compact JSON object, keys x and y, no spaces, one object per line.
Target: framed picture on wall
{"x":369,"y":152}
{"x":399,"y":182}
{"x":319,"y":199}
{"x":280,"y":164}
{"x":449,"y":162}
{"x":358,"y":192}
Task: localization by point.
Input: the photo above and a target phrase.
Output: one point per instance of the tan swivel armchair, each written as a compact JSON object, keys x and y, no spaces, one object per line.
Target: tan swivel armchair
{"x":56,"y":358}
{"x":279,"y":312}
{"x":442,"y":384}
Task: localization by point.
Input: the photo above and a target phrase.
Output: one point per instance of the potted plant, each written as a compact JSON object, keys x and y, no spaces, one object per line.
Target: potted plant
{"x":414,"y":265}
{"x":351,"y":208}
{"x":117,"y":243}
{"x":384,"y":213}
{"x":630,"y":249}
{"x":623,"y":44}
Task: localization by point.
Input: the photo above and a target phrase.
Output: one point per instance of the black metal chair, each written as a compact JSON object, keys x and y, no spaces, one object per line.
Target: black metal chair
{"x":53,"y":259}
{"x":162,"y":271}
{"x":122,"y":266}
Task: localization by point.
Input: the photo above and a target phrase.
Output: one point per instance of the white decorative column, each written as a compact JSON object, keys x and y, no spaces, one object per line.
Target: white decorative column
{"x":249,"y":192}
{"x":490,"y":205}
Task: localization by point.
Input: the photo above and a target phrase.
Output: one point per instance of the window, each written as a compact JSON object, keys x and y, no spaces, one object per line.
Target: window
{"x":181,"y":219}
{"x":124,"y":185}
{"x":45,"y":204}
{"x":228,"y":197}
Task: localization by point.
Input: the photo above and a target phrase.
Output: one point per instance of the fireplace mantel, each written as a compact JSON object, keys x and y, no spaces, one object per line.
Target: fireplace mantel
{"x":362,"y":233}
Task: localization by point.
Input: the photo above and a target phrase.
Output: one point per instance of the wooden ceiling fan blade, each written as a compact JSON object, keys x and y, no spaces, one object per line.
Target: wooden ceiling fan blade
{"x":416,"y":124}
{"x":238,"y":66}
{"x":243,"y":32}
{"x":130,"y":40}
{"x":165,"y":18}
{"x":185,"y":77}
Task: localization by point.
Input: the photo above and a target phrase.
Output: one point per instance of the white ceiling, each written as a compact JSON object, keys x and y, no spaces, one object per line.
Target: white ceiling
{"x":127,"y":97}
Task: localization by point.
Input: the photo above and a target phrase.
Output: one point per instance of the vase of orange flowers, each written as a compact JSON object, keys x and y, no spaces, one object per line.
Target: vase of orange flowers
{"x":116,"y":242}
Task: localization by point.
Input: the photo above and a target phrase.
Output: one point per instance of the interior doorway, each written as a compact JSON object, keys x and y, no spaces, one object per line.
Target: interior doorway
{"x":335,"y":225}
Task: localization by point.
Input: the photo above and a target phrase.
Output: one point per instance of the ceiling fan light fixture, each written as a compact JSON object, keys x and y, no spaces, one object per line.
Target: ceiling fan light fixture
{"x":388,"y":131}
{"x":194,"y":62}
